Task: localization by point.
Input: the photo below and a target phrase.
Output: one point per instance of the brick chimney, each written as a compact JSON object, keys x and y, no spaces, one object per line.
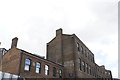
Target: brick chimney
{"x":59,"y":32}
{"x":14,"y":42}
{"x":103,"y":66}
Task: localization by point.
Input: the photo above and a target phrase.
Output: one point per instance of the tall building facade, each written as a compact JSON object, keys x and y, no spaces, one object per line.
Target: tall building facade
{"x":73,"y":54}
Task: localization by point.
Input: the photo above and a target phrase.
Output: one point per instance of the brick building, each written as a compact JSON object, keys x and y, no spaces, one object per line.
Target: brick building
{"x":2,"y":52}
{"x":28,"y":65}
{"x":78,"y":61}
{"x":67,"y":57}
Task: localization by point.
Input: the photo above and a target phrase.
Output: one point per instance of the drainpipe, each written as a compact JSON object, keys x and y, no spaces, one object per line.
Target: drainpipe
{"x":20,"y":64}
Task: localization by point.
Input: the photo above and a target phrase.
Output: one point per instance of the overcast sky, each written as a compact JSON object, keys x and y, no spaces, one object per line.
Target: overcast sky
{"x":34,"y":22}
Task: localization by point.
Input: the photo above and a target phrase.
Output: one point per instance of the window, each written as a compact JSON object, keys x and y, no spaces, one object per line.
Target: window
{"x":93,"y":71}
{"x":78,"y":47}
{"x":82,"y":49}
{"x":105,"y":73}
{"x":38,"y":66}
{"x":89,"y":55}
{"x":46,"y":70}
{"x":87,"y":68}
{"x":80,"y":64}
{"x":90,"y":70}
{"x":54,"y":71}
{"x":27,"y":64}
{"x":83,"y":65}
{"x":93,"y":59}
{"x":60,"y":73}
{"x":98,"y":69}
{"x":86,"y":54}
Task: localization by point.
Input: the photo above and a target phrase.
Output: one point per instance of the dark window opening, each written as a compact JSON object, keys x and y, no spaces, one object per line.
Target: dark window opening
{"x":87,"y":67}
{"x":78,"y":47}
{"x":54,"y":71}
{"x":80,"y":64}
{"x":82,"y":51}
{"x":90,"y":70}
{"x":83,"y":65}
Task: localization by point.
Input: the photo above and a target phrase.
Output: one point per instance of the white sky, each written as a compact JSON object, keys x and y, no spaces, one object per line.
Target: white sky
{"x":34,"y":22}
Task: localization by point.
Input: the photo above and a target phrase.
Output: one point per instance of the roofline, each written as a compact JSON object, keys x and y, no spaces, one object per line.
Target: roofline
{"x":82,"y":43}
{"x":39,"y":57}
{"x":56,"y":36}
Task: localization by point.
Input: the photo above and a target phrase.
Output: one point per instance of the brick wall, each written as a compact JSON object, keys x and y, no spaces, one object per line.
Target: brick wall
{"x":11,"y":61}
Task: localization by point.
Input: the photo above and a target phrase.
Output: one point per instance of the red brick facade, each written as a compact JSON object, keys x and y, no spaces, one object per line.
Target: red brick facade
{"x":67,"y":57}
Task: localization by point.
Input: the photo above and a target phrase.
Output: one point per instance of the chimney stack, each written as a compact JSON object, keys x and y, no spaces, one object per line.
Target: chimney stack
{"x":14,"y":42}
{"x":59,"y":32}
{"x":103,"y":66}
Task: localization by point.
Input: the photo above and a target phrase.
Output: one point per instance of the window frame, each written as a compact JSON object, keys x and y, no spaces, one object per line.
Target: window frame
{"x":38,"y":67}
{"x":60,"y":73}
{"x":78,"y":47}
{"x":87,"y":69}
{"x":46,"y":69}
{"x":81,"y":49}
{"x":27,"y":64}
{"x":80,"y":64}
{"x":83,"y":66}
{"x":54,"y":71}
